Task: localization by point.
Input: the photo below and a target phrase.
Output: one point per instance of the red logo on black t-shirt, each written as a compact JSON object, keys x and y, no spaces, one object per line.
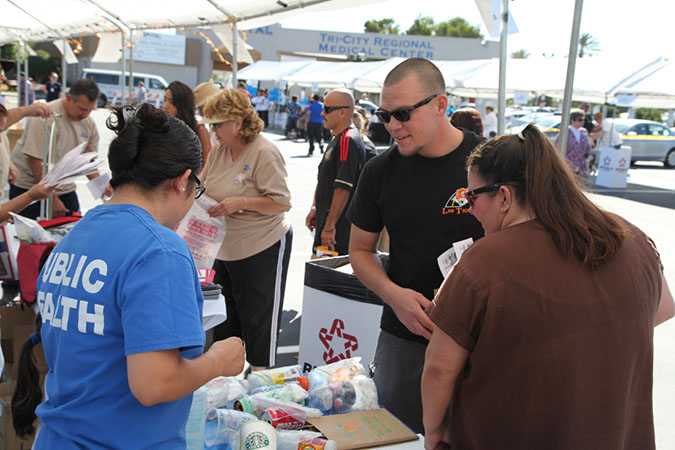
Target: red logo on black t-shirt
{"x":457,"y":202}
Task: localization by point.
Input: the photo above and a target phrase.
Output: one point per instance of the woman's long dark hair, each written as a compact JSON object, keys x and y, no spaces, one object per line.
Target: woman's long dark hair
{"x":183,"y":99}
{"x":547,"y":186}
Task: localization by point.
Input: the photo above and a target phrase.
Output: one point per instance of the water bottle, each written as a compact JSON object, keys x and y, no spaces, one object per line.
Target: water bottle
{"x":339,"y":371}
{"x":223,"y":426}
{"x":358,"y":394}
{"x":281,"y":375}
{"x":290,"y":439}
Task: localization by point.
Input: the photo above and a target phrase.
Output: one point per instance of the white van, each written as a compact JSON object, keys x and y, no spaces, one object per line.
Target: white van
{"x":108,"y":82}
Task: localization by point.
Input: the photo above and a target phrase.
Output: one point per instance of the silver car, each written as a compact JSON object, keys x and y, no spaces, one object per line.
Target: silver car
{"x":650,"y":141}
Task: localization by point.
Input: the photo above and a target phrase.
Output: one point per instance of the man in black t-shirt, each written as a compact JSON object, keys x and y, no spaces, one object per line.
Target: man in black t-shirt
{"x":339,"y":172}
{"x":416,"y":189}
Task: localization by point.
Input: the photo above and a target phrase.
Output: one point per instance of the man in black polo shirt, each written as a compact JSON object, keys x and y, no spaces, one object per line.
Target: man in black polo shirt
{"x":339,"y":172}
{"x":416,"y":190}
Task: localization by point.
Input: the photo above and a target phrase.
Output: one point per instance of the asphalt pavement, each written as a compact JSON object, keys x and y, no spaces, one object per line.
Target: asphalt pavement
{"x":648,"y":202}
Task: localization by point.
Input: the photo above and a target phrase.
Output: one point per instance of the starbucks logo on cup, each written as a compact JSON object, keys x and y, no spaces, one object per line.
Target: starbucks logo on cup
{"x":258,"y":435}
{"x":256,"y":440}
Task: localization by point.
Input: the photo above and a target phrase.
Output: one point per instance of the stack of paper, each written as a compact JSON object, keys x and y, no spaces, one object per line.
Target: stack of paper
{"x":73,"y":165}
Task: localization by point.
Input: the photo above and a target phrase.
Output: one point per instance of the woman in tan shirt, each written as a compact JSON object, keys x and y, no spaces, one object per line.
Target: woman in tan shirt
{"x":247,"y":175}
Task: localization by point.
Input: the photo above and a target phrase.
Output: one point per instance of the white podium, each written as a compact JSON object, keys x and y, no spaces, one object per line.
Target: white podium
{"x":613,"y":167}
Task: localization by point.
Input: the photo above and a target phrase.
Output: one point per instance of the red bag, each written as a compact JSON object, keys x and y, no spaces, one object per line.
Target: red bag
{"x":30,"y":259}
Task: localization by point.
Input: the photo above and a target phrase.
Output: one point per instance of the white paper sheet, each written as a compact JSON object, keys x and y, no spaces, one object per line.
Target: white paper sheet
{"x":72,"y":165}
{"x":450,"y":257}
{"x":97,"y":185}
{"x":214,"y":312}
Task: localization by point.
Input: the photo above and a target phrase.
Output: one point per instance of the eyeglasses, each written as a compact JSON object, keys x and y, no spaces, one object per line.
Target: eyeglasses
{"x":330,"y":109}
{"x":471,"y":195}
{"x":402,"y":114}
{"x":215,"y":126}
{"x":199,"y":188}
{"x":580,"y":119}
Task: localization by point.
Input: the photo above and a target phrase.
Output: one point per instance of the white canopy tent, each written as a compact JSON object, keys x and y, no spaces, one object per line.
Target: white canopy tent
{"x":271,"y":70}
{"x":654,"y":90}
{"x":32,"y":21}
{"x":597,"y":80}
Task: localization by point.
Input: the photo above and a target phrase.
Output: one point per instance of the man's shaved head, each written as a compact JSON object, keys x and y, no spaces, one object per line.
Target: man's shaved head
{"x":426,"y":72}
{"x":341,"y":97}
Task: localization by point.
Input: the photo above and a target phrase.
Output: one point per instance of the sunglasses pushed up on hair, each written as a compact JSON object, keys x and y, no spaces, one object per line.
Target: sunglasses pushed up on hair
{"x":402,"y":114}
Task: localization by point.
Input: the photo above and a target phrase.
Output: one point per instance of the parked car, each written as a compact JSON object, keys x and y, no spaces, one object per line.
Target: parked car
{"x":108,"y":82}
{"x":650,"y":141}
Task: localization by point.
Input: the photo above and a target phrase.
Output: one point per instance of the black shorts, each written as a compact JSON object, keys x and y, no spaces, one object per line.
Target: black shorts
{"x":254,"y":295}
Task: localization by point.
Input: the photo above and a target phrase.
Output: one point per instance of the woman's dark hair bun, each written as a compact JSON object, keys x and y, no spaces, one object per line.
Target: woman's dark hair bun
{"x":150,"y":146}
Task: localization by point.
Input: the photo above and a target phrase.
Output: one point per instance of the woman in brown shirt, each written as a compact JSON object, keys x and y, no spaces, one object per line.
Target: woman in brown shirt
{"x":544,"y":328}
{"x":246,"y":174}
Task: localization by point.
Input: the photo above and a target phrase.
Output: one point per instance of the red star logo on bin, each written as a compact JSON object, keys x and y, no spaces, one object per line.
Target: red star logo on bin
{"x":335,"y":336}
{"x":607,"y":160}
{"x":622,"y":162}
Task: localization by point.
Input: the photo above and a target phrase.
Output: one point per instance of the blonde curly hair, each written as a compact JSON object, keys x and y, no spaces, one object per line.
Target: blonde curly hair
{"x":232,"y":104}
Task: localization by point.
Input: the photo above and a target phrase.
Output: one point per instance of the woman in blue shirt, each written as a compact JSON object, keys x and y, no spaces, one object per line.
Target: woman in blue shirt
{"x":121,"y":303}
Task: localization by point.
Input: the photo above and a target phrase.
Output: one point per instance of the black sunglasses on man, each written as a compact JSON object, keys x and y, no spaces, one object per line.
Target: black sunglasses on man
{"x":402,"y":114}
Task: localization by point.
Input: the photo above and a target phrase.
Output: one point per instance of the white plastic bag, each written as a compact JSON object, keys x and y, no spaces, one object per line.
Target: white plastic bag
{"x":203,"y":233}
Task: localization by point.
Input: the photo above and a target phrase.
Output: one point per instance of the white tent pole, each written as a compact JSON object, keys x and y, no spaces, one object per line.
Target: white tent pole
{"x":64,"y":66}
{"x":124,"y":58}
{"x":18,"y":72}
{"x":501,"y":100}
{"x":131,"y":64}
{"x":235,"y":34}
{"x":235,"y":54}
{"x":124,"y":69}
{"x":63,"y":55}
{"x":25,"y":70}
{"x":569,"y":83}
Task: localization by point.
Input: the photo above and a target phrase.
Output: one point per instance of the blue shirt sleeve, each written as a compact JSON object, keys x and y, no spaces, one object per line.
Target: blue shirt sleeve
{"x":162,"y":304}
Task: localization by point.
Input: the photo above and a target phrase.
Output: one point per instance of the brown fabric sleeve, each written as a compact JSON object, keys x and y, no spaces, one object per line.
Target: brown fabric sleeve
{"x":458,"y":309}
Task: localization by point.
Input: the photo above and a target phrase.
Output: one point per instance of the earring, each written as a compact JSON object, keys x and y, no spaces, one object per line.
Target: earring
{"x":500,"y":210}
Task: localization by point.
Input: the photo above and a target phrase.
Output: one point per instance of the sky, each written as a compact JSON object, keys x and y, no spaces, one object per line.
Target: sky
{"x":623,"y":28}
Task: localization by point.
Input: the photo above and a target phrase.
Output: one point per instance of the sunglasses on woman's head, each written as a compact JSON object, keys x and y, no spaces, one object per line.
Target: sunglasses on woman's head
{"x":402,"y":114}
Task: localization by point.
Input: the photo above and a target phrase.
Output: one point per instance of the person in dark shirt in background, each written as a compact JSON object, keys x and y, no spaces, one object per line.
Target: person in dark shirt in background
{"x":338,"y":174}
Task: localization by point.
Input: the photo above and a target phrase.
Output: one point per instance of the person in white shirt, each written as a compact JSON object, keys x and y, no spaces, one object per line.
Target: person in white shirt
{"x":490,"y":122}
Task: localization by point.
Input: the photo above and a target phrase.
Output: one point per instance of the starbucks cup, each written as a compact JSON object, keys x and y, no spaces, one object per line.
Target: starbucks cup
{"x":258,"y":435}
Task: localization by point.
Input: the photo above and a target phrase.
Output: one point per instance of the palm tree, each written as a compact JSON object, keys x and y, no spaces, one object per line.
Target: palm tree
{"x":520,"y":54}
{"x":588,"y":45}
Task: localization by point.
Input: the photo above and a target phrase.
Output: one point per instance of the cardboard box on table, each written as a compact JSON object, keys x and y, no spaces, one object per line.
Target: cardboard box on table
{"x":613,"y":167}
{"x":340,"y":316}
{"x":364,"y":429}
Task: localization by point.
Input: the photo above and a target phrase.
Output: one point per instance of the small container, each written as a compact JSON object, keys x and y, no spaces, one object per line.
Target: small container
{"x":282,"y":419}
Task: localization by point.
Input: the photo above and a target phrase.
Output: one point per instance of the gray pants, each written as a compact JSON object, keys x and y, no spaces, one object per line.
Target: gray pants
{"x":398,"y":376}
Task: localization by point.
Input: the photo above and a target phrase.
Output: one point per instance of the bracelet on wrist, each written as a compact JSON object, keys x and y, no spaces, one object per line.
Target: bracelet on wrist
{"x":328,"y":231}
